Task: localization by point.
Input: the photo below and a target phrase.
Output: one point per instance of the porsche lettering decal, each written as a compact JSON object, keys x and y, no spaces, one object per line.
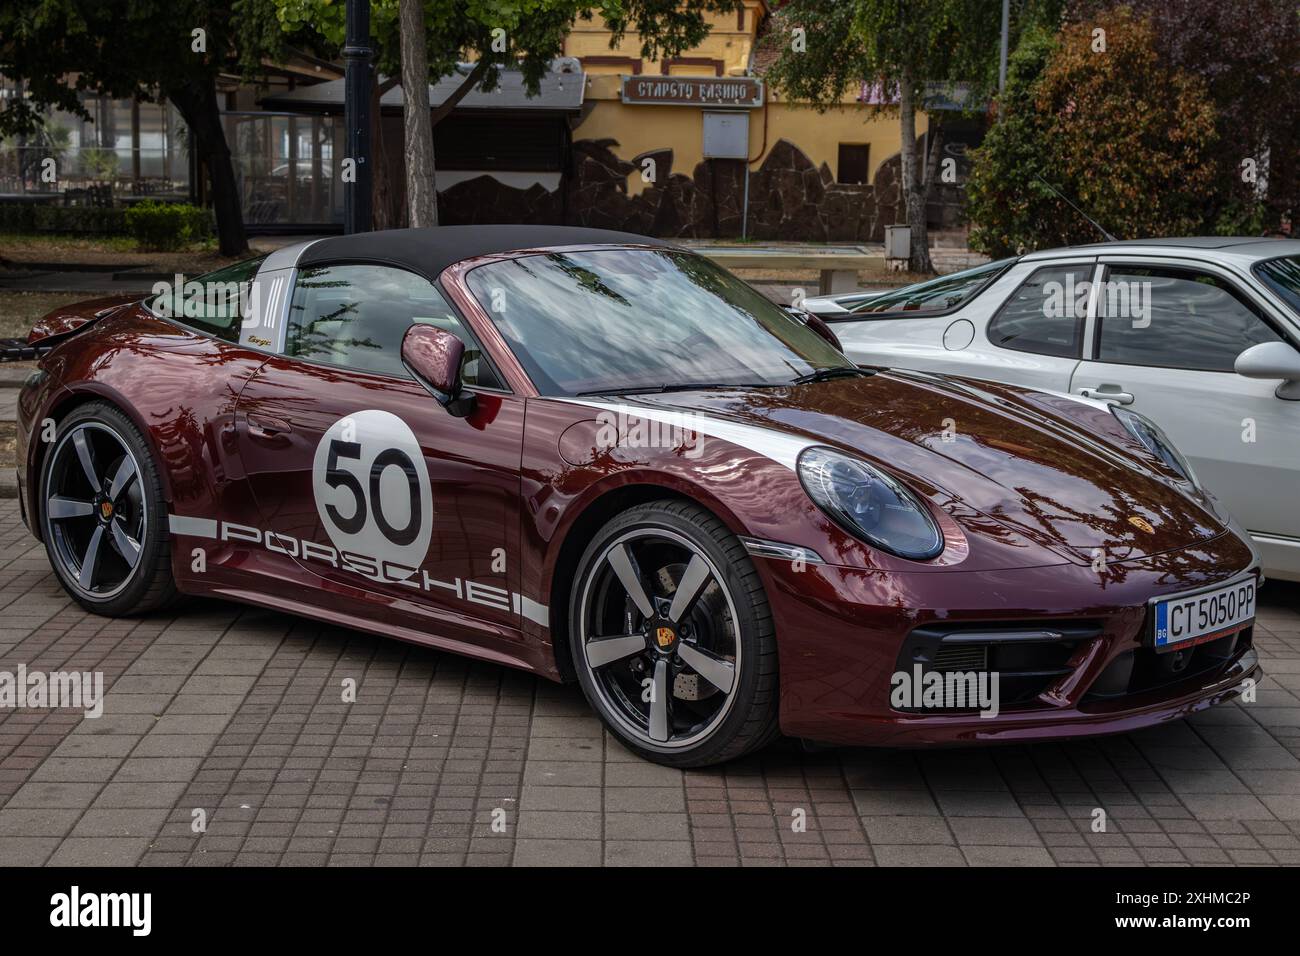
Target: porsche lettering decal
{"x":371,"y":568}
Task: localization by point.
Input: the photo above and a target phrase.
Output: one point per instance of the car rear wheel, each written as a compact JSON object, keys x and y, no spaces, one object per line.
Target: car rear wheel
{"x":672,"y":636}
{"x":103,"y":515}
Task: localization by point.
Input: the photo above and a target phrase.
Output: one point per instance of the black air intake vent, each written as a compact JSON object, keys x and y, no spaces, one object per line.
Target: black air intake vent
{"x":1027,"y":657}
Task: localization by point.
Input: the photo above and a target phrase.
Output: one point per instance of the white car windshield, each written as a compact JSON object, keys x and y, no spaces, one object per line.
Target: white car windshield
{"x":1283,"y":277}
{"x":935,"y":295}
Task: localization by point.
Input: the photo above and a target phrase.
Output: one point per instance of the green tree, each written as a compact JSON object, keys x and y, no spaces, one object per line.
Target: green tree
{"x":900,"y":45}
{"x":1103,"y":118}
{"x":493,"y":35}
{"x":1247,"y":53}
{"x":1006,"y":198}
{"x":138,"y":49}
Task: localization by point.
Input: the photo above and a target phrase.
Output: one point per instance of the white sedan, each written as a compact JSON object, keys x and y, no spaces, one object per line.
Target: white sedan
{"x":1202,"y":336}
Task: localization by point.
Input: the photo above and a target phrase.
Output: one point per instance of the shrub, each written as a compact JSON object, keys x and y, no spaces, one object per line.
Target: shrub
{"x":1009,"y":209}
{"x":97,"y":220}
{"x":17,"y":217}
{"x":1124,"y":135}
{"x":167,"y":226}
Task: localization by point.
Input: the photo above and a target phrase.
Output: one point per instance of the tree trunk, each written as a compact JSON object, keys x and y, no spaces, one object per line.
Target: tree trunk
{"x":919,"y":260}
{"x":197,"y":103}
{"x":421,"y":194}
{"x":384,"y":210}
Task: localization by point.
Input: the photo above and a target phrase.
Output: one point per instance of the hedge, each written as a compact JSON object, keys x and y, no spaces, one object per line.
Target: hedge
{"x":97,"y":220}
{"x":17,"y":217}
{"x":167,"y":226}
{"x":154,"y":225}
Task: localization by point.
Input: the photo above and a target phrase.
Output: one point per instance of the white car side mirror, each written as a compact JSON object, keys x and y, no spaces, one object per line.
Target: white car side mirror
{"x":1273,"y":360}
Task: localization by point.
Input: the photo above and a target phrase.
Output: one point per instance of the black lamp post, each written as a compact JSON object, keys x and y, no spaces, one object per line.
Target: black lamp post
{"x":356,"y":115}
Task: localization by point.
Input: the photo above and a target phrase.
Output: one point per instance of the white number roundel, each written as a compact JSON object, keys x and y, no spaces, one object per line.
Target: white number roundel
{"x":372,"y":490}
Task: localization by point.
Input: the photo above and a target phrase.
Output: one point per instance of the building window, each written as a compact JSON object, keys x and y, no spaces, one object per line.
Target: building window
{"x":853,"y":163}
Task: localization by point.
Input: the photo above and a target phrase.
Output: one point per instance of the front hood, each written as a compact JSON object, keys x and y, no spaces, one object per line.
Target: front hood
{"x":996,"y":463}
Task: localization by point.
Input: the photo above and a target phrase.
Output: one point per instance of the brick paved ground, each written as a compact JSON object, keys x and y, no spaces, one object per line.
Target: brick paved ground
{"x":238,"y":714}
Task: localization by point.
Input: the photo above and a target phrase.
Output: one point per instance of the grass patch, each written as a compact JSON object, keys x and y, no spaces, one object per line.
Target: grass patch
{"x":193,"y":259}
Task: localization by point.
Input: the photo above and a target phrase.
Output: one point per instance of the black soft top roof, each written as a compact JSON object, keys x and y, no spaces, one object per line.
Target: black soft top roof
{"x":429,"y":251}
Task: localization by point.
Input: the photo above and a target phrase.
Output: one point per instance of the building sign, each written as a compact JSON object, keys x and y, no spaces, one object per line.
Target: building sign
{"x":742,"y":91}
{"x":957,"y":97}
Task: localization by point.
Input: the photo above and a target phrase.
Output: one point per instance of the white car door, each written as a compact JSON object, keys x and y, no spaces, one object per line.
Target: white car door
{"x":1172,"y":360}
{"x":1026,"y":328}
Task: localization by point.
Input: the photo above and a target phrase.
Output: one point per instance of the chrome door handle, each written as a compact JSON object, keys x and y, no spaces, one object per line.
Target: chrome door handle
{"x":269,"y":429}
{"x":1106,"y":393}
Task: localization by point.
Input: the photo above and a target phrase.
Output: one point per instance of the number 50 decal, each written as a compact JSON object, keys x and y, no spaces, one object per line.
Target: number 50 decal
{"x":372,"y":489}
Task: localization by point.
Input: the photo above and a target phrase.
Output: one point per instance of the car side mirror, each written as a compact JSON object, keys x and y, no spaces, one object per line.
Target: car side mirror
{"x":818,"y":325}
{"x":433,"y":356}
{"x":1273,"y":360}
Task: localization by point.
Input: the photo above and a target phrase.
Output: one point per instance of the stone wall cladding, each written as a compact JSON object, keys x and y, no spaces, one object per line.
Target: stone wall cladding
{"x":789,"y":198}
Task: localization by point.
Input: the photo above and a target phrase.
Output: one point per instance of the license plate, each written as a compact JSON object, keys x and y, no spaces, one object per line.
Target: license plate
{"x":1187,"y":619}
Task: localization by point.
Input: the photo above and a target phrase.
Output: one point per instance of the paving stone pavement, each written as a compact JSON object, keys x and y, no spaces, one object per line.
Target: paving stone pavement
{"x":234,"y":718}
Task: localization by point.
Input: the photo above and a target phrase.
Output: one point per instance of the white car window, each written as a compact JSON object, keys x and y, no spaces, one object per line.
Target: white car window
{"x":1175,"y":318}
{"x":1046,"y":314}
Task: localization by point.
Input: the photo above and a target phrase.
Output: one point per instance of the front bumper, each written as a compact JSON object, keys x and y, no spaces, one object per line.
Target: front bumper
{"x":843,"y":633}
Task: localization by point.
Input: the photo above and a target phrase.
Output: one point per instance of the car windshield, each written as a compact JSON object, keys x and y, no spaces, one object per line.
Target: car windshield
{"x":627,"y":319}
{"x":1283,"y":277}
{"x":935,"y":295}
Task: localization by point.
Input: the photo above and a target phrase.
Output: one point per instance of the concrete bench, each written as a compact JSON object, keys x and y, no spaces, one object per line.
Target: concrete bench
{"x":838,"y":267}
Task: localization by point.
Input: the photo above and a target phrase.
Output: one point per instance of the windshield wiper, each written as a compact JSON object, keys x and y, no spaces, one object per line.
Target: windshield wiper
{"x":676,"y":387}
{"x":826,"y":374}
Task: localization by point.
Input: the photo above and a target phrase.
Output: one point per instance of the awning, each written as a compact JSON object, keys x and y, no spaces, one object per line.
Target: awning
{"x":561,"y":91}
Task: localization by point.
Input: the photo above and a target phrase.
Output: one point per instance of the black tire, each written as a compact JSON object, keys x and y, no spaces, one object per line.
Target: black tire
{"x":739,"y":620}
{"x":148,"y":584}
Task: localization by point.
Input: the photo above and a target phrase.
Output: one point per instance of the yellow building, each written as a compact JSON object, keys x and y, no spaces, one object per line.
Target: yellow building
{"x":812,"y":175}
{"x":691,"y":146}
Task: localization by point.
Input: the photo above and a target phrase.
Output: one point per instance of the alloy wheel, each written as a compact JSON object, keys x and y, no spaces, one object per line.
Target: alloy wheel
{"x":96,"y":518}
{"x":659,"y":638}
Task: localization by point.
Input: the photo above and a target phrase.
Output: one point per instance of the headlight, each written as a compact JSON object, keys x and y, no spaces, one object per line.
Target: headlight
{"x":869,"y":504}
{"x":1155,"y":441}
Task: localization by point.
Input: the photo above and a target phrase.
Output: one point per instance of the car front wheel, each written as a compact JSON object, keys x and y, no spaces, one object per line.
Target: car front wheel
{"x":672,"y":637}
{"x":103,"y":514}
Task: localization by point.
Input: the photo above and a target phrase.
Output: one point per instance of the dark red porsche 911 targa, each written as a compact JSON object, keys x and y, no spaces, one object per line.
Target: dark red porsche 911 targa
{"x":599,"y":457}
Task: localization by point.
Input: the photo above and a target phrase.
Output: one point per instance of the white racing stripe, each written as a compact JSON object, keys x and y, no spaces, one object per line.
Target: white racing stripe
{"x":527,"y":607}
{"x":772,"y":443}
{"x":194,"y":527}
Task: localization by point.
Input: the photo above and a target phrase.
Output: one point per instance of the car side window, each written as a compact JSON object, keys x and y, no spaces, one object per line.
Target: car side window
{"x":1175,"y":318}
{"x":355,"y":316}
{"x":1046,"y":314}
{"x":217,"y":308}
